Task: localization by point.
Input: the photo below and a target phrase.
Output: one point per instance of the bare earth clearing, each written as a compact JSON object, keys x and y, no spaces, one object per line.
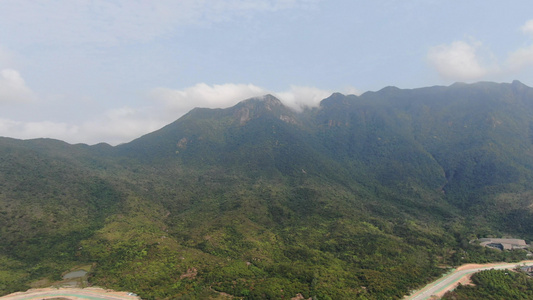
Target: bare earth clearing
{"x":70,"y":293}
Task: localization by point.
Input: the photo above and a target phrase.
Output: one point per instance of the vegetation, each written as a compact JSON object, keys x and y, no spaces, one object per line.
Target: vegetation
{"x":367,"y":197}
{"x":495,"y":284}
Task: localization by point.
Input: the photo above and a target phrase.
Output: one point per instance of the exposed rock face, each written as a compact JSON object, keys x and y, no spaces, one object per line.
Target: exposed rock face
{"x":182,"y":143}
{"x":287,"y":119}
{"x":191,"y":273}
{"x":243,"y":115}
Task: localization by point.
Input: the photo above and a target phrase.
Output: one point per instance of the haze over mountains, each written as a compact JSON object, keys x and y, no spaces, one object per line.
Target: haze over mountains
{"x":364,"y":197}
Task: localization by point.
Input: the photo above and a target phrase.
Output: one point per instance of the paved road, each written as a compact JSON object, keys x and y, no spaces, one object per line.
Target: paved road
{"x":70,"y":293}
{"x":450,"y":280}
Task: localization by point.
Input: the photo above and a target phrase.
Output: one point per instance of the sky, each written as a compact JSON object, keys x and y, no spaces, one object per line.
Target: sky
{"x":90,"y":71}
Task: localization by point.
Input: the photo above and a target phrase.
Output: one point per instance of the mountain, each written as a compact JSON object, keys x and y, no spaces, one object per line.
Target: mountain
{"x":364,"y":197}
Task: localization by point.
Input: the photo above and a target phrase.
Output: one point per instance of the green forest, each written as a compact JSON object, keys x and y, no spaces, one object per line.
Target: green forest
{"x":365,"y":197}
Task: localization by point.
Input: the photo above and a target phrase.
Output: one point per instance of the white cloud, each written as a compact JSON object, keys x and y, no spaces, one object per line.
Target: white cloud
{"x":462,"y":60}
{"x":299,"y":97}
{"x":48,"y":128}
{"x":215,"y":9}
{"x":6,"y":128}
{"x":111,"y":22}
{"x":120,"y":125}
{"x":522,"y":57}
{"x":350,"y":90}
{"x":458,"y":61}
{"x":6,"y":58}
{"x":124,"y":124}
{"x":527,"y":28}
{"x":30,"y":130}
{"x":13,"y":87}
{"x":178,"y":102}
{"x":114,"y":126}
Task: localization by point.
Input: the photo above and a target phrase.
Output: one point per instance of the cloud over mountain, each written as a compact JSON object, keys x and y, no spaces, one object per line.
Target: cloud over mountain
{"x":299,"y":97}
{"x":458,"y":61}
{"x":470,"y":60}
{"x":523,"y":56}
{"x":180,"y":101}
{"x":162,"y":106}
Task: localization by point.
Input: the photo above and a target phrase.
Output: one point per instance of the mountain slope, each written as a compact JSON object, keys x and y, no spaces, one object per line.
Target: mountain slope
{"x":362,"y":198}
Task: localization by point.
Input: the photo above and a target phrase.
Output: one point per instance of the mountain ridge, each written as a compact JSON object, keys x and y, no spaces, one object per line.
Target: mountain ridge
{"x":363,"y":197}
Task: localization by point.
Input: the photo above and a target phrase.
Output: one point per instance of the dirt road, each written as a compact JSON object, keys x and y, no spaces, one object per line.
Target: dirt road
{"x":450,"y":281}
{"x":71,"y":294}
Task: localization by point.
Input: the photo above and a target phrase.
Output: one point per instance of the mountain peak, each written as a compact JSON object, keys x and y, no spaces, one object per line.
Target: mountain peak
{"x":267,"y":100}
{"x":261,"y":103}
{"x":336,"y":99}
{"x":262,"y":106}
{"x":517,"y":83}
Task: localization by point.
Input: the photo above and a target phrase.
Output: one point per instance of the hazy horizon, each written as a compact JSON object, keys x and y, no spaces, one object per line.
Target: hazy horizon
{"x":104,"y":71}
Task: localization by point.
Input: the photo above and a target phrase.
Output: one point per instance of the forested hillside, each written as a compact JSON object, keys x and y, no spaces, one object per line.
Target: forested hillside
{"x":364,"y":197}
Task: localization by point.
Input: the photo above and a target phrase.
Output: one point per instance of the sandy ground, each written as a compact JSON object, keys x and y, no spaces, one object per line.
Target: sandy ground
{"x":71,"y":294}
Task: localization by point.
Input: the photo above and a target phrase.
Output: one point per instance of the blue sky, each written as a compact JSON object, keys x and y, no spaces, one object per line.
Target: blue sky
{"x":110,"y":71}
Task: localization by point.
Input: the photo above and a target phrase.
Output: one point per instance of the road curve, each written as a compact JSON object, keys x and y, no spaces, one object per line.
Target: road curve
{"x":451,"y":280}
{"x":70,"y":293}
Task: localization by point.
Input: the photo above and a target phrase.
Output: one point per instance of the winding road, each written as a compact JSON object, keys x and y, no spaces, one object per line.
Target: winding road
{"x":450,"y":281}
